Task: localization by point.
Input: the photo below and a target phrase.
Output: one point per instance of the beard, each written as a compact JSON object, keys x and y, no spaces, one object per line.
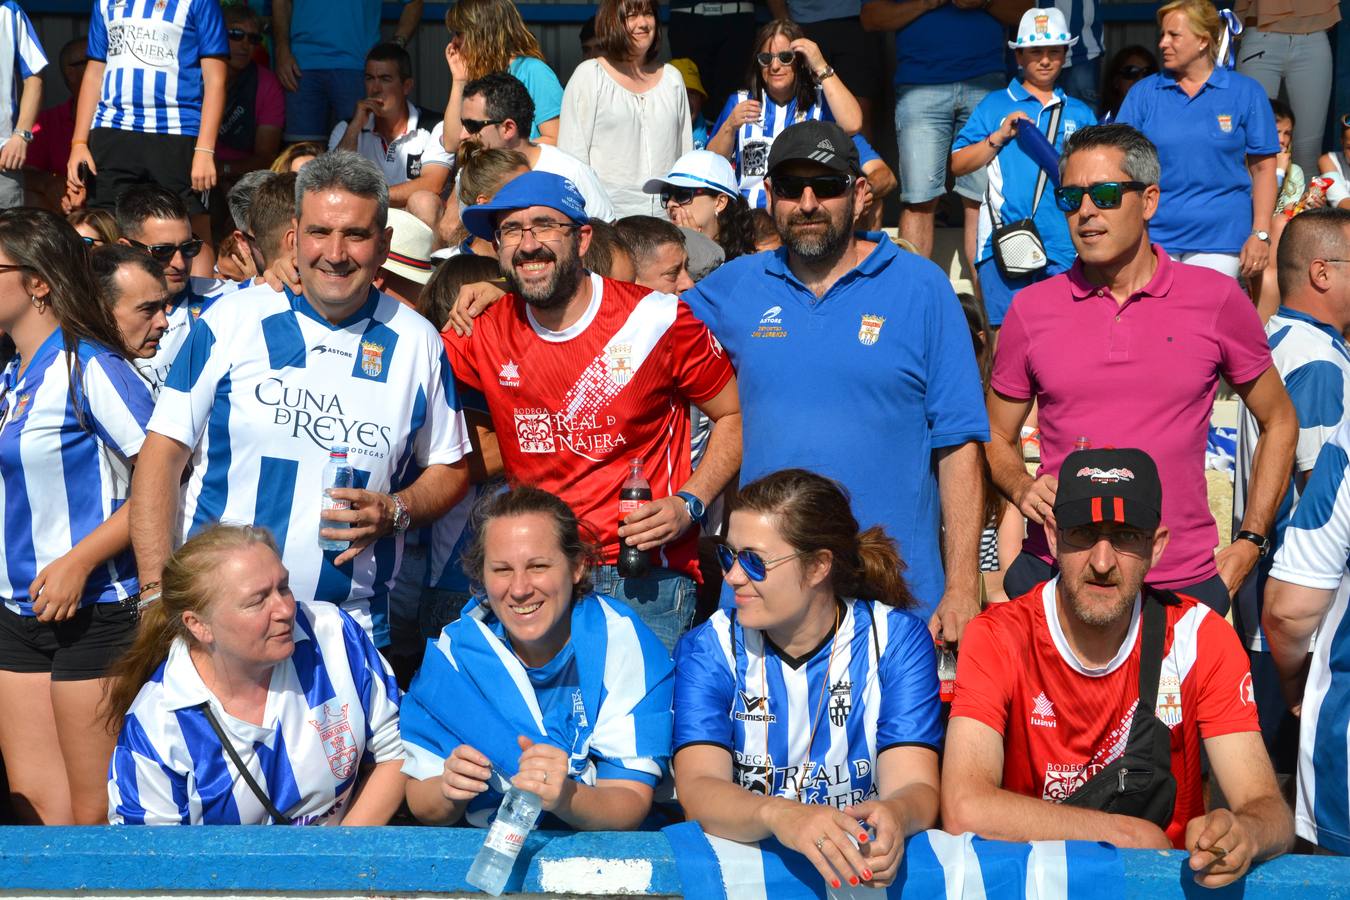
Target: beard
{"x":816,"y":246}
{"x":558,"y":289}
{"x":1101,"y":614}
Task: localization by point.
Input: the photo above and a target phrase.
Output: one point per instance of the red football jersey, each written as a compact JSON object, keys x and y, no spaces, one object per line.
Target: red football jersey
{"x":1062,"y":723}
{"x":572,"y":407}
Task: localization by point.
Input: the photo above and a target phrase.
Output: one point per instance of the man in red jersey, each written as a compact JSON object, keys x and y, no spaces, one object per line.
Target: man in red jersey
{"x":582,"y":375}
{"x":1044,"y":728}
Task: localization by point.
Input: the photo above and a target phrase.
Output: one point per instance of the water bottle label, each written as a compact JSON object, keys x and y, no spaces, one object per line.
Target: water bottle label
{"x":505,"y":837}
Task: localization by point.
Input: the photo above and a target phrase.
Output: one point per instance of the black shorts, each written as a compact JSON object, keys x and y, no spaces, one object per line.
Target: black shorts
{"x":854,"y":54}
{"x":126,"y":158}
{"x":82,"y":647}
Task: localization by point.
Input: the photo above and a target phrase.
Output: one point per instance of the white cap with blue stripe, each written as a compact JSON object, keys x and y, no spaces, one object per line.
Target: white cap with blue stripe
{"x":698,"y":169}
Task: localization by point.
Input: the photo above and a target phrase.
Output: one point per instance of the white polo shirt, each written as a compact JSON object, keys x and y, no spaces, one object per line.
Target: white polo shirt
{"x":403,"y":158}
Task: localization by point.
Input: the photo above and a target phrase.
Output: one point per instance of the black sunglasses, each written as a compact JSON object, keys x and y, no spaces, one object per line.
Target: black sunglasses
{"x":473,"y":126}
{"x":238,"y":34}
{"x":825,"y":187}
{"x":164,"y":253}
{"x":755,"y":567}
{"x":1104,"y":194}
{"x":784,"y":57}
{"x":1137,"y":72}
{"x":682,"y":196}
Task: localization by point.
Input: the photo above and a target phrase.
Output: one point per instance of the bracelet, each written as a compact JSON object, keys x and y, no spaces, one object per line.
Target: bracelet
{"x":149,"y":594}
{"x":990,"y":140}
{"x":203,"y":150}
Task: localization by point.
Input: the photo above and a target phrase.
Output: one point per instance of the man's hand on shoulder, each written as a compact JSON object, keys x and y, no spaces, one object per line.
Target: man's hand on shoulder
{"x":472,"y":301}
{"x":283,"y":273}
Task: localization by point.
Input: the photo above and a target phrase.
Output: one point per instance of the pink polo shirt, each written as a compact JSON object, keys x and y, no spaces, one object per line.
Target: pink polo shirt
{"x":1142,"y":374}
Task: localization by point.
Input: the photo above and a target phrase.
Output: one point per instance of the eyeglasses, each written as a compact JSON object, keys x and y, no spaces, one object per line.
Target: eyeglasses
{"x":1104,"y":194}
{"x":473,"y":126}
{"x":682,"y":196}
{"x":755,"y":567}
{"x":825,"y":187}
{"x":784,"y":58}
{"x":164,"y":253}
{"x":1134,"y":73}
{"x":1130,"y":541}
{"x":544,"y":232}
{"x":239,"y":34}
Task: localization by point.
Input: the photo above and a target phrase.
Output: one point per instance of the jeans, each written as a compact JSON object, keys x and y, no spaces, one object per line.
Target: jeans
{"x":324,"y":98}
{"x":1029,"y":570}
{"x":927,"y":120}
{"x":1303,"y":63}
{"x":663,"y":599}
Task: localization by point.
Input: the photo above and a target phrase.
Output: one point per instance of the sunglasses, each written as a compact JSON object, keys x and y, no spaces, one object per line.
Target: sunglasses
{"x":238,"y":34}
{"x":825,"y":187}
{"x":682,"y":196}
{"x":473,"y":126}
{"x":784,"y":58}
{"x":1137,"y":72}
{"x":164,"y":253}
{"x":755,"y":567}
{"x":90,"y":241}
{"x":1104,"y":194}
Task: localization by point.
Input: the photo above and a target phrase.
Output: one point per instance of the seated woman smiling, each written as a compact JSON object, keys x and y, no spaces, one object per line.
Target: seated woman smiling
{"x":809,"y":712}
{"x":542,"y":681}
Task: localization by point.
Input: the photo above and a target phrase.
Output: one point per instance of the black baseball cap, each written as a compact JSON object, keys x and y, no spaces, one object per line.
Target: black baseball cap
{"x":819,"y":142}
{"x":1109,"y":486}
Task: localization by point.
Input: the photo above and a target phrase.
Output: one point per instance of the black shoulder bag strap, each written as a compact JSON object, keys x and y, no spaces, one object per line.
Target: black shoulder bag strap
{"x":266,"y":801}
{"x":1154,"y":625}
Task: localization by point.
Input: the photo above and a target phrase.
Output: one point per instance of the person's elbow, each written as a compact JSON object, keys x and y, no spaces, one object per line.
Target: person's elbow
{"x":959,"y":804}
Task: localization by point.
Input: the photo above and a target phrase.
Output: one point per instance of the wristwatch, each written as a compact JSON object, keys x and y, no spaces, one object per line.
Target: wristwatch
{"x":402,"y":518}
{"x":827,"y":72}
{"x":698,"y":512}
{"x":1260,"y":540}
{"x":26,"y":135}
{"x":1262,"y":235}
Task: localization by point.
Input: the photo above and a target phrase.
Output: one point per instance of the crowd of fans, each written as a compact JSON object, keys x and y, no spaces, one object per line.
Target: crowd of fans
{"x":225,"y":262}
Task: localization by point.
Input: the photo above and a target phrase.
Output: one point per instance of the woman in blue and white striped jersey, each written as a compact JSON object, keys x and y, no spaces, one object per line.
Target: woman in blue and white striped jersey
{"x":810,"y":713}
{"x":240,"y":705}
{"x":541,"y":680}
{"x":72,"y":419}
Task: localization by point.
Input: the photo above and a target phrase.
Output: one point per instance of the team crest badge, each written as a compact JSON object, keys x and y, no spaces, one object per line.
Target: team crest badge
{"x":372,"y":358}
{"x":195,"y":311}
{"x":620,"y":363}
{"x":21,"y":404}
{"x":870,"y":329}
{"x":841,"y":702}
{"x":1226,"y":124}
{"x":1043,"y":26}
{"x":1169,"y":701}
{"x":339,"y":743}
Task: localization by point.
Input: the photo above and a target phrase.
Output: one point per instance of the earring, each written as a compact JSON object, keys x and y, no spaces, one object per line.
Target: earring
{"x":38,"y":304}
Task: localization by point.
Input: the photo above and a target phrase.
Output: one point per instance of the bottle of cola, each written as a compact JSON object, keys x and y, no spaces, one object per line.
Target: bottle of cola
{"x":634,"y":494}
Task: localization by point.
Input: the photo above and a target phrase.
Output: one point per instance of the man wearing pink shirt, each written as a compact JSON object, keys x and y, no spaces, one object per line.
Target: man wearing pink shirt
{"x":1126,"y":349}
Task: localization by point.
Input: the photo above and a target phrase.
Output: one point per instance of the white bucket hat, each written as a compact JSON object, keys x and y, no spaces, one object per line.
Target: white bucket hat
{"x":1042,"y":28}
{"x":410,"y":247}
{"x":698,"y":169}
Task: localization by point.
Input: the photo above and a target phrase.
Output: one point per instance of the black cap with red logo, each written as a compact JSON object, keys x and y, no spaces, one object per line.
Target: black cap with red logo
{"x":1119,"y":486}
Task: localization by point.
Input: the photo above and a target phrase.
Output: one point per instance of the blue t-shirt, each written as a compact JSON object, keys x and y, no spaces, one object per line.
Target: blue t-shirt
{"x":1203,"y":143}
{"x":809,"y":729}
{"x":805,"y":11}
{"x":890,"y":369}
{"x":328,"y":35}
{"x":866,"y":153}
{"x":542,"y":86}
{"x":929,"y":51}
{"x":1013,"y":174}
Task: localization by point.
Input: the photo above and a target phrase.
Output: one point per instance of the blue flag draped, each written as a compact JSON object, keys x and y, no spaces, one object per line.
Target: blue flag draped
{"x":1033,"y":142}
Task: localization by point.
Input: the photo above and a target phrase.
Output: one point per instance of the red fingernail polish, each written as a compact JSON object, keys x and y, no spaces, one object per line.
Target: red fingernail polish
{"x":867,"y":874}
{"x":853,"y":880}
{"x":835,"y":884}
{"x":862,"y":837}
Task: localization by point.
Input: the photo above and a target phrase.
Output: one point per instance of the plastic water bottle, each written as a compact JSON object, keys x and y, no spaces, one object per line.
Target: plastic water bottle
{"x":515,"y":820}
{"x":337,"y":474}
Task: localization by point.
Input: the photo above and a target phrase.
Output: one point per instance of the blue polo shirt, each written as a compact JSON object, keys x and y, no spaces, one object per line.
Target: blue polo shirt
{"x":860,"y":385}
{"x":928,"y":51}
{"x":1013,"y":174}
{"x":1203,"y":143}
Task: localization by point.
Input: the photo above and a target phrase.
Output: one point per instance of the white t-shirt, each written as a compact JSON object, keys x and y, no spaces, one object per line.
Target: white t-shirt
{"x":558,"y":162}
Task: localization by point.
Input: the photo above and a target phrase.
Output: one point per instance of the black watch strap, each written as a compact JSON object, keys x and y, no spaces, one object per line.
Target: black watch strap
{"x":1260,"y":540}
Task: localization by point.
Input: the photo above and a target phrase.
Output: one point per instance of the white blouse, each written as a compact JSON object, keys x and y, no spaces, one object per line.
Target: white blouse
{"x":626,"y":138}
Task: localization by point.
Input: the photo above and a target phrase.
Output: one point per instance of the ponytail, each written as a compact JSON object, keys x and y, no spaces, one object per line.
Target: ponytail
{"x":879,"y":575}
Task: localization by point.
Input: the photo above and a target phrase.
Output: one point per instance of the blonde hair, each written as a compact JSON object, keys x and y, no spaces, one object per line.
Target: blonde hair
{"x":1203,"y":19}
{"x":494,"y":34}
{"x":483,"y":172}
{"x":282,"y":164}
{"x":187,"y":585}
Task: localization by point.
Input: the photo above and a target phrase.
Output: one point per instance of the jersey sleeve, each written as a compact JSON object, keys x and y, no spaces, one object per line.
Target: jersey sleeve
{"x":910,"y":711}
{"x":983,"y":675}
{"x":186,"y":397}
{"x":118,"y":403}
{"x":1243,"y":348}
{"x":704,"y":691}
{"x":866,"y":153}
{"x":1225,"y":703}
{"x":444,"y":437}
{"x":631,"y":740}
{"x":379,"y":694}
{"x":701,"y":365}
{"x":1012,"y":363}
{"x":1317,"y":390}
{"x":459,"y":354}
{"x":722,"y":117}
{"x":210,"y":28}
{"x":1262,"y":138}
{"x":954,"y":399}
{"x":142,"y":790}
{"x":1316,"y":542}
{"x":96,"y":48}
{"x":28,"y":53}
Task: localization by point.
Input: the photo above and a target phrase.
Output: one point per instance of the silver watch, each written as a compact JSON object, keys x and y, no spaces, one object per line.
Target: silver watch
{"x":402,"y":518}
{"x":1262,"y":235}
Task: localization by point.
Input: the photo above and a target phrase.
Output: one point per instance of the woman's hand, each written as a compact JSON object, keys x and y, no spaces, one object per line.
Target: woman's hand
{"x":1254,"y":257}
{"x":57,"y":590}
{"x":465,"y":775}
{"x":809,"y":50}
{"x":459,"y":67}
{"x":203,"y":171}
{"x":544,"y":771}
{"x":822,"y":834}
{"x":883,"y":851}
{"x":743,"y":113}
{"x":682,"y":218}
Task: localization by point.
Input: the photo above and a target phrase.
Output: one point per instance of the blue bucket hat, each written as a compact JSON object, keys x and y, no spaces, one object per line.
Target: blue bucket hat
{"x":522,"y":192}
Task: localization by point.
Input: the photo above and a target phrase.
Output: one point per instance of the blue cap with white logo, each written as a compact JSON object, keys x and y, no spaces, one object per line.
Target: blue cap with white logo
{"x":522,"y":192}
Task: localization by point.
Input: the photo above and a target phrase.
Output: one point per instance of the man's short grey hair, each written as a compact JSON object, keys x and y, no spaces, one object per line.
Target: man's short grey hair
{"x":240,"y":197}
{"x":346,"y":171}
{"x":1141,"y":157}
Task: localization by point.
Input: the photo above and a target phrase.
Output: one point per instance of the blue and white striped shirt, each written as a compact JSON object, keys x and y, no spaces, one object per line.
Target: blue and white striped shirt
{"x":755,"y":139}
{"x":812,"y":728}
{"x":265,"y":386}
{"x":153,"y":51}
{"x":24,"y":49}
{"x":331,"y":707}
{"x":63,"y":472}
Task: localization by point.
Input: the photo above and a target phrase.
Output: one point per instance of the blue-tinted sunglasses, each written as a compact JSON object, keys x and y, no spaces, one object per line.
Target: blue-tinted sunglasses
{"x":755,"y":567}
{"x":1104,"y":194}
